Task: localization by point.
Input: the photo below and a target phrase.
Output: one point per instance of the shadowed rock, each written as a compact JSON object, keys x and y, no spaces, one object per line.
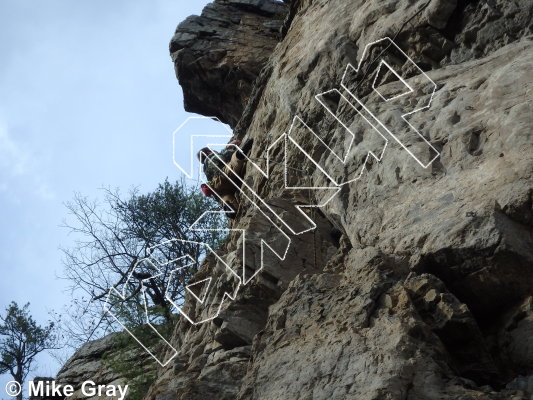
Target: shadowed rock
{"x":218,"y":55}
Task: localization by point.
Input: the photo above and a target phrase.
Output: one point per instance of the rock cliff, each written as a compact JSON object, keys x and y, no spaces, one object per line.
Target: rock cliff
{"x":417,"y":282}
{"x":218,"y":55}
{"x":114,"y":360}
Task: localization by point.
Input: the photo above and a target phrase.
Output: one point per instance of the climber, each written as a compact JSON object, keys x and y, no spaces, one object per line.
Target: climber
{"x":232,"y":163}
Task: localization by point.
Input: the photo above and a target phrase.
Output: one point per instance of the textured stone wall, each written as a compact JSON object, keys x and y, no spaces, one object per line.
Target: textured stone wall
{"x":92,"y":362}
{"x":218,"y":55}
{"x":421,"y":281}
{"x":417,"y":282}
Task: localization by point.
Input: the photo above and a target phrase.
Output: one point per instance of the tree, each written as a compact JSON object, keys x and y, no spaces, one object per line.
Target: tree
{"x":21,"y":340}
{"x":113,"y":239}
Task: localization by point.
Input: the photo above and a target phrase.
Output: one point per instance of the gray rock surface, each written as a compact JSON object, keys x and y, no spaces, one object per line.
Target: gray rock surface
{"x":218,"y":55}
{"x":96,"y":361}
{"x":422,"y":285}
{"x":417,"y":282}
{"x":87,"y":363}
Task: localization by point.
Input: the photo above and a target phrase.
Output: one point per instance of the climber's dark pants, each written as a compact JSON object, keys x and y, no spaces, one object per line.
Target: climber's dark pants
{"x":222,"y":185}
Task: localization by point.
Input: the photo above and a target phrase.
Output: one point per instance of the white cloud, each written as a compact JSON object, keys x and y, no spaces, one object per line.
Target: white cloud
{"x":17,"y":166}
{"x":13,"y":159}
{"x":44,"y":191}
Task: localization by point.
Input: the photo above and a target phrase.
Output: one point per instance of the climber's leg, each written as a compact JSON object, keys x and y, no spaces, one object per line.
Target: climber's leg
{"x":235,"y":165}
{"x":245,"y":149}
{"x":231,"y":205}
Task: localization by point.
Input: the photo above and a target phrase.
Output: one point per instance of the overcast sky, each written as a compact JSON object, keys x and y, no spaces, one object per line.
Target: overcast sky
{"x":88,"y":98}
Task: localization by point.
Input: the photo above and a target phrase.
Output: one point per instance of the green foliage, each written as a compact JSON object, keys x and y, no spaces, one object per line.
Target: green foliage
{"x":129,"y":362}
{"x":133,"y":315}
{"x":167,"y":212}
{"x":127,"y":359}
{"x":112,"y":242}
{"x":21,"y":340}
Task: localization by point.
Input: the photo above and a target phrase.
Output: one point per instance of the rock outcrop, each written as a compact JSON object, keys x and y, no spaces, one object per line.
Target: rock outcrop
{"x":110,"y":361}
{"x":420,"y":279}
{"x":218,"y":55}
{"x":88,"y":364}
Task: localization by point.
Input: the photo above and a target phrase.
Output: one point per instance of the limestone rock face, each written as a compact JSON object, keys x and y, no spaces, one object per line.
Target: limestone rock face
{"x":218,"y":55}
{"x":87,"y":363}
{"x":103,"y":362}
{"x":417,"y":281}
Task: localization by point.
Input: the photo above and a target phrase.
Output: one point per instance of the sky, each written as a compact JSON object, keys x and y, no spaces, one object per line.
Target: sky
{"x":88,"y":99}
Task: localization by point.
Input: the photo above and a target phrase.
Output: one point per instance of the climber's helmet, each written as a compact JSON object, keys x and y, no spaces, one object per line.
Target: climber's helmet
{"x":203,"y":153}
